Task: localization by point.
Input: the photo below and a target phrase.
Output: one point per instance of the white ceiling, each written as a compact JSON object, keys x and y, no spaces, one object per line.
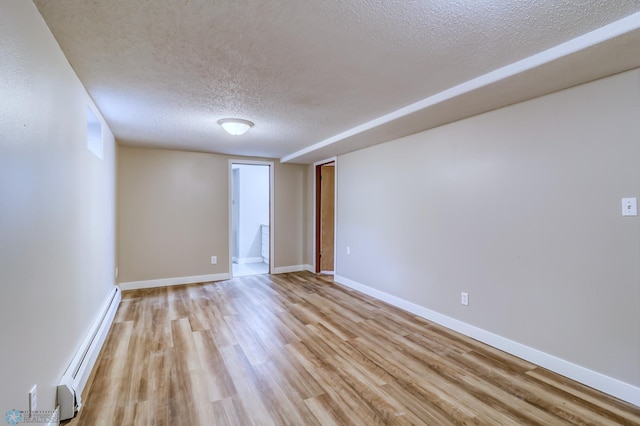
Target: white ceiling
{"x":321,"y":78}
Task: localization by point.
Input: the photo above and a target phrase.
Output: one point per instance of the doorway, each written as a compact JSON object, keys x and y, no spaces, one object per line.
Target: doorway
{"x":250,"y":218}
{"x":325,"y":217}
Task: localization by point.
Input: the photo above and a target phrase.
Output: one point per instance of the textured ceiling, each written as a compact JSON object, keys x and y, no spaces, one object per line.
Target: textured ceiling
{"x":320,"y":74}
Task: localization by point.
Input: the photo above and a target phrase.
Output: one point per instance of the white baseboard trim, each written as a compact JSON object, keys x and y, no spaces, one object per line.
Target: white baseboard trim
{"x":293,"y":268}
{"x":165,"y":282}
{"x":72,"y":383}
{"x":603,"y":383}
{"x":250,"y":260}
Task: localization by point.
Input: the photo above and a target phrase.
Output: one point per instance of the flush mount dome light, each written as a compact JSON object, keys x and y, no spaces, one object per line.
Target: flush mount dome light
{"x":235,"y":126}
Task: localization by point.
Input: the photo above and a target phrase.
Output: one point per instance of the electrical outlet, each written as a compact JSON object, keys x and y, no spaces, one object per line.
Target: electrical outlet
{"x":214,"y":260}
{"x":348,"y":250}
{"x":116,"y":272}
{"x":33,"y":400}
{"x":630,"y":207}
{"x":464,"y":298}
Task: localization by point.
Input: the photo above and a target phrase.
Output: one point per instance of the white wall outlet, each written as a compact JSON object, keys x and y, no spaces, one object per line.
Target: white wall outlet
{"x":214,"y":260}
{"x":33,"y":400}
{"x":629,"y":207}
{"x":348,"y":250}
{"x":464,"y":298}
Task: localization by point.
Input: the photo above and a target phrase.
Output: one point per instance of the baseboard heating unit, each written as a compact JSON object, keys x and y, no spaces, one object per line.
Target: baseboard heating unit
{"x":75,"y":377}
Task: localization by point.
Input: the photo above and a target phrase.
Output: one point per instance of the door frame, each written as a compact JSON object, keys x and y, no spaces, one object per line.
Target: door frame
{"x":316,"y":212}
{"x":271,"y":208}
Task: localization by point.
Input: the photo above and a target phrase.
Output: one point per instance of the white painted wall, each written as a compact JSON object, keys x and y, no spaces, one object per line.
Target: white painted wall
{"x":253,"y":185}
{"x":57,"y":210}
{"x":519,"y":207}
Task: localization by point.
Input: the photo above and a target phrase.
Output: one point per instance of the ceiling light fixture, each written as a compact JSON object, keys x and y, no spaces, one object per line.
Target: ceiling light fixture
{"x":235,"y":126}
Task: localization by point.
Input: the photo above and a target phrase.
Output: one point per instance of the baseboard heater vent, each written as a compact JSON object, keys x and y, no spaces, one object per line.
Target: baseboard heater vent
{"x":75,"y":378}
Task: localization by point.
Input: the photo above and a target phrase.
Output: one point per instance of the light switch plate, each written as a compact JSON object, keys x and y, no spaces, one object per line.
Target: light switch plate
{"x":464,"y":298}
{"x":630,"y":207}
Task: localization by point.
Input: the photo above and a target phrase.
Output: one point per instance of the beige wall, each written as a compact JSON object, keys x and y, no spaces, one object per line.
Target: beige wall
{"x":57,"y":211}
{"x":520,"y":208}
{"x":289,"y":238}
{"x":173,"y":214}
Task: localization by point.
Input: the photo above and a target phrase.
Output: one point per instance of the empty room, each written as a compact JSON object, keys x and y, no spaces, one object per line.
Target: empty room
{"x":320,"y":213}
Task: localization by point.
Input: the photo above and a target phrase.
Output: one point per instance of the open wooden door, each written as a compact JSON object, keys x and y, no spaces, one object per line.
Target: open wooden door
{"x":325,"y":217}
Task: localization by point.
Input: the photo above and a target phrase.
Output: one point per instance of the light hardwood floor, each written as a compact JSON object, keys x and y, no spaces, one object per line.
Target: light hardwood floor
{"x":298,"y":349}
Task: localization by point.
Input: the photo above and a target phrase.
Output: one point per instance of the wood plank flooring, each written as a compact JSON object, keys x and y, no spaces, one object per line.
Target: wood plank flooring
{"x":296,"y":349}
